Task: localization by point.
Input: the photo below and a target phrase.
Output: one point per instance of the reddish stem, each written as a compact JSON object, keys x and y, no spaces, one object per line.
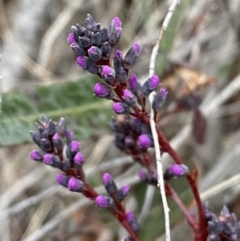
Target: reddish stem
{"x":178,"y":201}
{"x":202,"y":232}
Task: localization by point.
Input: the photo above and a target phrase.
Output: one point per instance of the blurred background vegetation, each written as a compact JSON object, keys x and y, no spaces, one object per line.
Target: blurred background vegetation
{"x":40,"y":76}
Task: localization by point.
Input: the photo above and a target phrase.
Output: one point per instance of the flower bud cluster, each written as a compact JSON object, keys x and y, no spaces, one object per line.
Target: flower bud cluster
{"x":131,"y":134}
{"x":116,"y":195}
{"x":222,"y":227}
{"x":94,"y":46}
{"x":59,"y":148}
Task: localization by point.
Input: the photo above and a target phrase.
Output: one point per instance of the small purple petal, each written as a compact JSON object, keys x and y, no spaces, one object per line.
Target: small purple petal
{"x":107,"y":73}
{"x":118,"y":108}
{"x":117,"y":22}
{"x":81,"y":61}
{"x":79,"y":159}
{"x":70,"y":136}
{"x":75,"y":185}
{"x":62,"y":179}
{"x":56,"y":137}
{"x":164,"y":93}
{"x":103,"y":201}
{"x":159,"y":99}
{"x":118,"y":54}
{"x":154,"y":82}
{"x":75,"y":146}
{"x":129,"y":216}
{"x":102,"y":90}
{"x":137,"y":48}
{"x":48,"y":159}
{"x":178,"y":170}
{"x":70,"y":38}
{"x":36,"y":156}
{"x":133,"y":82}
{"x":144,"y":141}
{"x":125,"y":189}
{"x":95,"y":53}
{"x":127,"y":94}
{"x":107,"y":178}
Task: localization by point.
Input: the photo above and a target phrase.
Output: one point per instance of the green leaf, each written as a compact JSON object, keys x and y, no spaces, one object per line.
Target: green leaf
{"x":84,"y":112}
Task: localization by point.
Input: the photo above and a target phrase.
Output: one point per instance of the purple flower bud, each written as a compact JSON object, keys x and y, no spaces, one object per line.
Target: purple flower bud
{"x":48,"y":159}
{"x":77,"y":31}
{"x":52,"y":128}
{"x":133,"y":82}
{"x":109,"y":184}
{"x":118,"y":59}
{"x":57,"y":141}
{"x":125,"y":189}
{"x":107,"y":178}
{"x":129,"y":216}
{"x":36,"y":155}
{"x":150,"y":85}
{"x":104,"y":201}
{"x":36,"y":137}
{"x":84,"y":42}
{"x":117,"y":22}
{"x":52,"y":160}
{"x":81,"y":61}
{"x":62,"y":179}
{"x":78,"y":159}
{"x":102,"y":91}
{"x":148,"y":177}
{"x":80,"y":29}
{"x":72,"y":149}
{"x":129,"y":98}
{"x":129,"y":142}
{"x":106,"y":50}
{"x":118,"y":55}
{"x":75,"y":146}
{"x":94,"y":53}
{"x":145,"y":141}
{"x":114,"y":31}
{"x":159,"y":99}
{"x":75,"y":185}
{"x":131,"y":56}
{"x":70,"y":136}
{"x":131,"y":219}
{"x":71,"y":38}
{"x":78,"y":50}
{"x":65,"y":165}
{"x":89,"y":22}
{"x":153,"y":82}
{"x":62,"y":127}
{"x":104,"y":35}
{"x":107,"y":73}
{"x":123,"y":192}
{"x":87,"y":64}
{"x":121,"y":75}
{"x":96,"y":39}
{"x":119,"y":108}
{"x":176,"y":170}
{"x":45,"y":145}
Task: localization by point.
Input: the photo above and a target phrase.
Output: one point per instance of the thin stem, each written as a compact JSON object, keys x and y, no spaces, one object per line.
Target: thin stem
{"x":152,"y":120}
{"x":178,"y":201}
{"x":202,"y":223}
